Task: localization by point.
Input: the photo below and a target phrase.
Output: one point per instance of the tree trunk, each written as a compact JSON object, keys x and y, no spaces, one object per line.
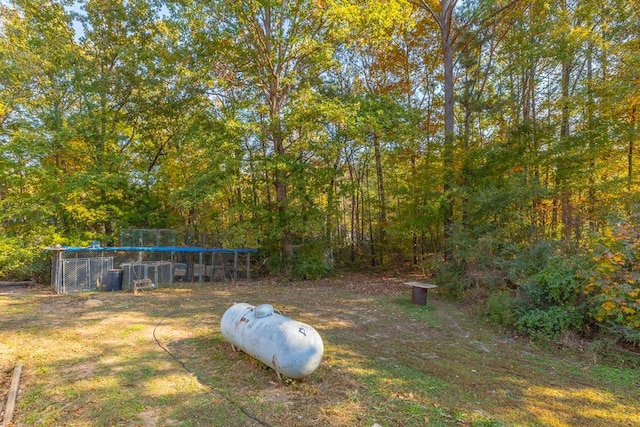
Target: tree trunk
{"x":444,"y":19}
{"x":354,"y":213}
{"x":565,"y":132}
{"x":591,"y":189}
{"x":286,"y":241}
{"x":630,"y":150}
{"x":382,"y":207}
{"x":447,"y":54}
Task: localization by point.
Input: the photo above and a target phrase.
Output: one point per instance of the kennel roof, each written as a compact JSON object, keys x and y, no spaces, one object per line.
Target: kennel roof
{"x":156,"y":249}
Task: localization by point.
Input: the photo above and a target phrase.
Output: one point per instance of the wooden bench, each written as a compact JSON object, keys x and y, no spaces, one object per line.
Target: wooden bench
{"x":419,"y":292}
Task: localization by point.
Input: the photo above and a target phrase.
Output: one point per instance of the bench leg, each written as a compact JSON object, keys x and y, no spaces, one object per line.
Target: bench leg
{"x":419,"y":295}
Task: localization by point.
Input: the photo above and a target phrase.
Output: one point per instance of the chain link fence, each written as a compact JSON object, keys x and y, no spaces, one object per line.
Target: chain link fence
{"x":77,"y":269}
{"x":158,"y":272}
{"x":149,"y":238}
{"x":86,"y":274}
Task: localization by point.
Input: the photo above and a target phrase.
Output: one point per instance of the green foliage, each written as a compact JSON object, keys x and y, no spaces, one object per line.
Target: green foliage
{"x":15,"y":259}
{"x":25,"y":257}
{"x":530,"y":260}
{"x":622,"y":332}
{"x":312,"y":260}
{"x":551,"y":301}
{"x":557,"y":284}
{"x":450,"y":277}
{"x":501,"y":309}
{"x":550,"y":323}
{"x":613,"y":276}
{"x":478,"y":260}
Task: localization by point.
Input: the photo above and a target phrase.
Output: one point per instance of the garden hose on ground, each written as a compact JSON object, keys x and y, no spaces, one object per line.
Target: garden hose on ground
{"x":204,"y":384}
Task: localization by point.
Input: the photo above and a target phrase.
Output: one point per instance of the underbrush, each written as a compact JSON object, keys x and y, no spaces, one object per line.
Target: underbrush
{"x":546,"y":290}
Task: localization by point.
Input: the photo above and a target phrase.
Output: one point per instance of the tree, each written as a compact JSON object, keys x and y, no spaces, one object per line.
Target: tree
{"x":266,"y":59}
{"x":451,"y":30}
{"x":446,"y":23}
{"x":37,"y":96}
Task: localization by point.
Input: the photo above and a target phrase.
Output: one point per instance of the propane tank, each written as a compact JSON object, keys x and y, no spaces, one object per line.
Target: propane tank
{"x":291,"y":348}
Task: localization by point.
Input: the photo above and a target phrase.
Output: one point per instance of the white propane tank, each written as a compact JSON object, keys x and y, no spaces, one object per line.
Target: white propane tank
{"x":292,"y":348}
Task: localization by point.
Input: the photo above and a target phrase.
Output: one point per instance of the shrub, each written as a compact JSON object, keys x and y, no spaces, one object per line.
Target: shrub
{"x":477,"y":261}
{"x":311,"y":260}
{"x":501,"y":309}
{"x":613,"y":276}
{"x":557,"y":284}
{"x":450,"y":277}
{"x":552,"y":300}
{"x":531,"y":260}
{"x":550,"y":323}
{"x":25,"y":258}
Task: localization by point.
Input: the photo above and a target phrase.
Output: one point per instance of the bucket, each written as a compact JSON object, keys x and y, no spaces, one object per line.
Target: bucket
{"x":114,"y":280}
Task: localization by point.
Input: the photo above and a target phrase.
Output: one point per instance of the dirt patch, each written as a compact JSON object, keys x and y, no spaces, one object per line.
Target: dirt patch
{"x":23,"y":288}
{"x":6,"y":371}
{"x":149,"y":418}
{"x":366,"y":285}
{"x":93,"y":303}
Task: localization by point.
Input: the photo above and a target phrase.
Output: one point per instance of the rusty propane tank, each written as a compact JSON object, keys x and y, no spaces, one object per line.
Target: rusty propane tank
{"x":291,"y":348}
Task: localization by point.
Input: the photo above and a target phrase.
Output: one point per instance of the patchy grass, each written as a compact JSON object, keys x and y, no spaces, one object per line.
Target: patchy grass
{"x":98,"y":360}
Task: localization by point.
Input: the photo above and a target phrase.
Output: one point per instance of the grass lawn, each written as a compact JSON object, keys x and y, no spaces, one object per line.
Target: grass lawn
{"x":158,"y":359}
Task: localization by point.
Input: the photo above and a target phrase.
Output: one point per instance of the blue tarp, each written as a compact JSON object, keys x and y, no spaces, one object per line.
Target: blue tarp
{"x":156,"y":249}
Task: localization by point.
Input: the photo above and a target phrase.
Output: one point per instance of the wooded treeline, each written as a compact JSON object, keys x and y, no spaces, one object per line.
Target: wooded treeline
{"x":498,"y":136}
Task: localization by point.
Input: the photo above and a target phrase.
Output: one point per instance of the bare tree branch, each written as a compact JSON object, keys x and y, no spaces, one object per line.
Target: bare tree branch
{"x":422,"y":4}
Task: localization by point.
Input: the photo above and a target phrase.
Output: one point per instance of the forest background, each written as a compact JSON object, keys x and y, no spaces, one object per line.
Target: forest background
{"x":489,"y":143}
